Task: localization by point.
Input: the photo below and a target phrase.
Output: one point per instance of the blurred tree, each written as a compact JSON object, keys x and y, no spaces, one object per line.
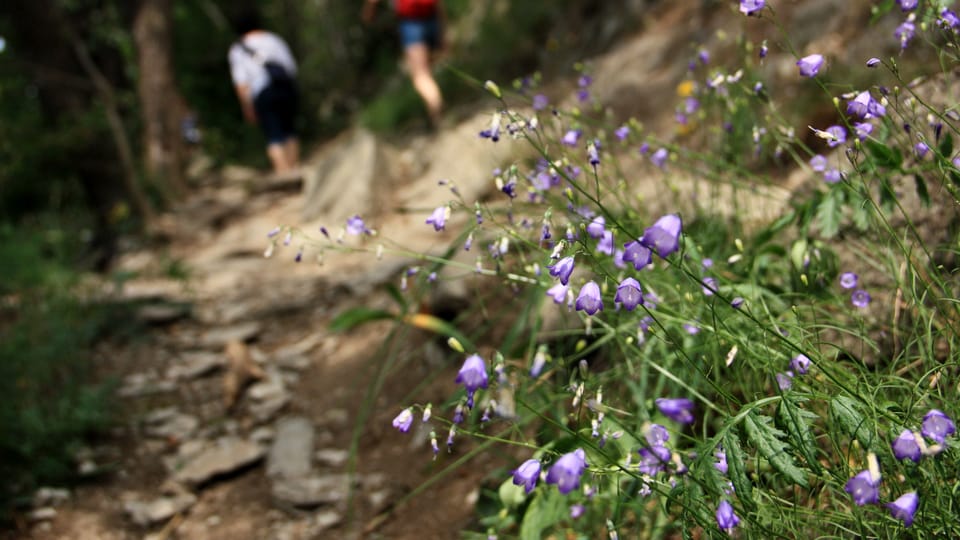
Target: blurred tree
{"x":162,"y":106}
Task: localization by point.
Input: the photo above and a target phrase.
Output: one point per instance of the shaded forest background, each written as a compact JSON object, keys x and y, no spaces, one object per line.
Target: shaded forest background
{"x":100,"y":105}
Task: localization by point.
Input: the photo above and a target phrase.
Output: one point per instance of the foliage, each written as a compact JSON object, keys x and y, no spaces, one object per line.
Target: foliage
{"x":780,"y":376}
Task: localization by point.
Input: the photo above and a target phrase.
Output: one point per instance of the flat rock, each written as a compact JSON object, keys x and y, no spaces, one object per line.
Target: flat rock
{"x":50,"y":496}
{"x":144,"y":384}
{"x":158,"y":510}
{"x":195,"y":364}
{"x":309,"y":491}
{"x":217,"y":338}
{"x":170,"y":423}
{"x":291,"y":453}
{"x":332,"y":457}
{"x":227,"y":455}
{"x":160,"y":314}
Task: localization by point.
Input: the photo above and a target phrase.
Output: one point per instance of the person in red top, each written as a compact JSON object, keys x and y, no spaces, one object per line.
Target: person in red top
{"x":421,"y":34}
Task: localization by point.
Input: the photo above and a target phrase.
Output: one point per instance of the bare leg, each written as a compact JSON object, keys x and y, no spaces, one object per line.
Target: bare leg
{"x":278,"y":157}
{"x":291,"y":148}
{"x":418,"y":63}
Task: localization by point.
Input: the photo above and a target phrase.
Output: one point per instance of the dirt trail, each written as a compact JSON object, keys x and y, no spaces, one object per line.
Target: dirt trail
{"x":196,"y":459}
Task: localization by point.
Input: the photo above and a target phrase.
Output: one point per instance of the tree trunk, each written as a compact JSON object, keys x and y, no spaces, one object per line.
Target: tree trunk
{"x":162,"y":105}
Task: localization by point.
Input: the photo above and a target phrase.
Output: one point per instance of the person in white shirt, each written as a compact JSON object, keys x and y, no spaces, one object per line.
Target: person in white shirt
{"x":264,"y":74}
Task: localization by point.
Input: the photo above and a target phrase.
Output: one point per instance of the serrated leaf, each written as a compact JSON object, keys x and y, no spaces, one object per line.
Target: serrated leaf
{"x":845,"y":413}
{"x":922,"y":190}
{"x":766,"y":438}
{"x":797,"y":422}
{"x":828,"y":216}
{"x":545,"y":511}
{"x":354,"y":317}
{"x":861,"y":216}
{"x":737,"y":470}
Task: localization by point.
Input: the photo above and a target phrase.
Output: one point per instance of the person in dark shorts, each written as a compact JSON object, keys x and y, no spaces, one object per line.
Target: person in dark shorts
{"x":264,"y":75}
{"x":421,"y":34}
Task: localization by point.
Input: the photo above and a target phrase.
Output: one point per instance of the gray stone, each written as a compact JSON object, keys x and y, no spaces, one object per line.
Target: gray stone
{"x":333,"y":457}
{"x":196,"y":364}
{"x":50,"y":496}
{"x":325,"y":519}
{"x":227,"y":455}
{"x":309,"y":491}
{"x":170,"y":423}
{"x":235,"y":174}
{"x":347,"y":171}
{"x":158,"y":510}
{"x":42,"y":514}
{"x":144,"y":384}
{"x":263,"y":411}
{"x":218,"y":338}
{"x":292,"y":450}
{"x":162,"y":313}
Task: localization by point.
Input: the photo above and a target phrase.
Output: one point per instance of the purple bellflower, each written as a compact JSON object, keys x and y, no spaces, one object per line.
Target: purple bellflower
{"x":596,"y":227}
{"x":562,"y":270}
{"x":873,"y":62}
{"x":663,"y":236}
{"x":860,"y":298}
{"x":540,"y":102}
{"x":567,"y":470}
{"x":721,"y":463}
{"x":832,"y":176}
{"x":527,"y":474}
{"x":472,"y":375}
{"x":726,"y":519}
{"x":810,"y":65}
{"x":659,"y":158}
{"x":558,"y":292}
{"x":676,"y":409}
{"x":653,"y":460}
{"x":800,"y":363}
{"x":904,"y":33}
{"x":751,"y":7}
{"x":356,"y":227}
{"x":404,"y":420}
{"x":937,"y":426}
{"x":605,"y":245}
{"x":818,"y":163}
{"x":905,"y":507}
{"x":907,"y":5}
{"x":656,"y":435}
{"x":838,"y":136}
{"x":571,"y":137}
{"x":863,"y":129}
{"x":863,"y":488}
{"x":621,"y":133}
{"x":905,"y":446}
{"x":589,"y":299}
{"x":629,"y":294}
{"x":635,"y":252}
{"x":439,"y":217}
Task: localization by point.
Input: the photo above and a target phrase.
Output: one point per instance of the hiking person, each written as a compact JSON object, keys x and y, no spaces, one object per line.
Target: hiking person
{"x":264,"y":75}
{"x":421,"y":33}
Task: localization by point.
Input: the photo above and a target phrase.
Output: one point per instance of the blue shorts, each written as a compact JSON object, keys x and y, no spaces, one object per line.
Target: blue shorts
{"x":414,"y":31}
{"x":276,"y":108}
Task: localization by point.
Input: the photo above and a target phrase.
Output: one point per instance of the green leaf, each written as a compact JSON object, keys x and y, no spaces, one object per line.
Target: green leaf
{"x":845,"y":413}
{"x":946,"y":146}
{"x":547,"y":509}
{"x":922,"y":190}
{"x":828,"y":216}
{"x":397,"y":296}
{"x":355,"y":317}
{"x":766,"y":438}
{"x":883,"y":155}
{"x":797,"y":422}
{"x":737,"y":470}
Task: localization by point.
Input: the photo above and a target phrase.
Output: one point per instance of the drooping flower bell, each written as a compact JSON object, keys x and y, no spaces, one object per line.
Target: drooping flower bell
{"x":937,"y":426}
{"x":905,"y":507}
{"x":810,"y":65}
{"x":597,"y":227}
{"x":676,"y":409}
{"x":629,"y":294}
{"x":638,"y":254}
{"x":439,"y":217}
{"x":848,"y":280}
{"x":404,"y":420}
{"x":562,"y":269}
{"x":863,"y":488}
{"x":527,"y":474}
{"x":905,"y":446}
{"x":663,"y":236}
{"x":473,"y":376}
{"x":589,"y":299}
{"x":726,"y":518}
{"x":751,"y":7}
{"x":860,"y":298}
{"x":567,"y":470}
{"x":800,"y":363}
